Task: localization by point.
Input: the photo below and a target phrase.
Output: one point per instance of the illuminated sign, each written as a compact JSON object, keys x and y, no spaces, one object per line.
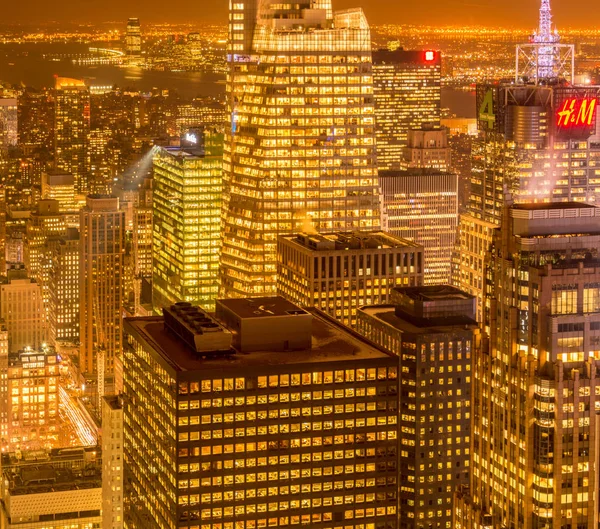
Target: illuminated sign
{"x":577,"y":112}
{"x":191,"y":138}
{"x":486,"y":110}
{"x":430,"y":55}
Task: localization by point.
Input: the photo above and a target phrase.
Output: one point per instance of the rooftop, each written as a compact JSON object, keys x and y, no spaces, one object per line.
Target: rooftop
{"x":261,"y":307}
{"x":330,"y":340}
{"x":552,"y":205}
{"x":357,"y":240}
{"x":434,"y":293}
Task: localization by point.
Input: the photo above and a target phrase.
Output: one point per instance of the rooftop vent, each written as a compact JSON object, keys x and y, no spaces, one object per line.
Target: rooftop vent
{"x":197,"y":329}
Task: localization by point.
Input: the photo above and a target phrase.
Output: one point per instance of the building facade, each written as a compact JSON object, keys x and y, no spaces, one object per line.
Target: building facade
{"x":186,"y":203}
{"x":339,"y":273}
{"x":434,"y":333}
{"x":133,"y":39}
{"x":427,"y":148}
{"x":101,"y":280}
{"x":72,"y":127}
{"x":407,"y":88}
{"x":536,"y":391}
{"x":421,"y":205}
{"x":301,"y":145}
{"x":299,"y":426}
{"x":112,"y":462}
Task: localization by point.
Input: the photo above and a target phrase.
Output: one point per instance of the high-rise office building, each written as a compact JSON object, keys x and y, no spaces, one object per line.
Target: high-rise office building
{"x":142,"y":231}
{"x":133,"y":39}
{"x":186,"y":203}
{"x":427,"y":148}
{"x":45,"y":222}
{"x":4,"y":396}
{"x":60,"y":186}
{"x":72,"y":127}
{"x":22,"y":309}
{"x":112,"y":462}
{"x":536,"y":391}
{"x":101,"y":276}
{"x":340,"y":272}
{"x":421,"y":205}
{"x":434,"y":333}
{"x":53,"y":488}
{"x":33,"y":419}
{"x":301,"y":145}
{"x":290,"y":420}
{"x":407,"y":87}
{"x":63,"y":255}
{"x":8,"y":123}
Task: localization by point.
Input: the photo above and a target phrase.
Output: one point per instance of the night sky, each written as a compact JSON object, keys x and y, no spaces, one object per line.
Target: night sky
{"x":515,"y":13}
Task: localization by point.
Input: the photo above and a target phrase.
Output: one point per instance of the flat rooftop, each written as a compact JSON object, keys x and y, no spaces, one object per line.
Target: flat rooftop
{"x":262,"y":307}
{"x":407,"y":323}
{"x":434,"y":293}
{"x":552,"y":205}
{"x":113,"y":401}
{"x":331,"y":341}
{"x":357,"y":240}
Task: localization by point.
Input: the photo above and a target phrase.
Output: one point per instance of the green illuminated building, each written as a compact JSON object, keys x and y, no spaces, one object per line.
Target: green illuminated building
{"x":186,"y":210}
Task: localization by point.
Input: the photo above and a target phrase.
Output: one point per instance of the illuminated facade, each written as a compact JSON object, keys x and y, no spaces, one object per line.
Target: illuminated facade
{"x":63,"y":288}
{"x":427,"y":148}
{"x":101,"y":279}
{"x":133,"y":39}
{"x":142,"y":231}
{"x":60,"y":186}
{"x":8,"y":123}
{"x":434,"y":333}
{"x":536,"y":390}
{"x":290,"y":421}
{"x":112,"y":462}
{"x":72,"y":127}
{"x":187,"y":230}
{"x":421,"y":205}
{"x":340,"y":272}
{"x":54,"y":489}
{"x":407,"y":87}
{"x":33,"y":399}
{"x":301,"y":145}
{"x":45,"y":222}
{"x":4,"y":408}
{"x":22,"y":309}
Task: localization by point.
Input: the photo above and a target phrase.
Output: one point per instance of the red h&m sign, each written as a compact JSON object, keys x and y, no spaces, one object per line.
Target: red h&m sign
{"x":577,"y":112}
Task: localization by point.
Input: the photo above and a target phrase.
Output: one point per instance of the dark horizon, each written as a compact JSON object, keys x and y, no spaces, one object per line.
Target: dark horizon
{"x":511,"y":13}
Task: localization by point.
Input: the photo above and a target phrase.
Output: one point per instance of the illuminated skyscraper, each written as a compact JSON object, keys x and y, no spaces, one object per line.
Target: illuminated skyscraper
{"x":62,"y":255}
{"x":72,"y":126}
{"x":60,"y":186}
{"x":340,"y":272}
{"x":8,"y":123}
{"x":302,"y":143}
{"x":427,"y":148}
{"x":536,"y":388}
{"x":421,"y":205}
{"x":289,"y":421}
{"x":142,"y":231}
{"x":133,"y":39}
{"x":407,"y":87}
{"x":112,"y":462}
{"x":33,"y":388}
{"x":101,"y":277}
{"x":22,"y":309}
{"x":186,"y":215}
{"x":433,"y":331}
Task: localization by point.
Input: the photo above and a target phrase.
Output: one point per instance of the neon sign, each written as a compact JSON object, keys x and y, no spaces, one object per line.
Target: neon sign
{"x":429,"y":55}
{"x":577,"y":112}
{"x":191,"y":138}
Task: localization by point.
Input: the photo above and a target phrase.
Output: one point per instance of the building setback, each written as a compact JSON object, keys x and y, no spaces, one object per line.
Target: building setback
{"x":268,"y":415}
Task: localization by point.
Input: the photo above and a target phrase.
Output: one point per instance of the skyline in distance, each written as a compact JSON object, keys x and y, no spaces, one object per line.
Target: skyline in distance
{"x":439,"y":12}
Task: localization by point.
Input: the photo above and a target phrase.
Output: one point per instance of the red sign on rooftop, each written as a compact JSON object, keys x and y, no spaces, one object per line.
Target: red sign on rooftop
{"x":577,"y":112}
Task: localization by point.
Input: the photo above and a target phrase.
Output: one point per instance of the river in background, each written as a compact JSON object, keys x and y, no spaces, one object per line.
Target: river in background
{"x":36,"y":65}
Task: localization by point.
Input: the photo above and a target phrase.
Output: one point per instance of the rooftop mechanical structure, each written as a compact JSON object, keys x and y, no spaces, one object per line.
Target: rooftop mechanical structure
{"x":544,"y":60}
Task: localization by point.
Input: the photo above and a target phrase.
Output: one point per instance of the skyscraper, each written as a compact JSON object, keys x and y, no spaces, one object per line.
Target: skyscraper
{"x":427,"y":148}
{"x":290,"y":420}
{"x":407,"y":87}
{"x":8,"y":123}
{"x":340,"y":272}
{"x":133,"y":39}
{"x":72,"y":127}
{"x":433,"y":331}
{"x":112,"y":462}
{"x":186,"y":204}
{"x":536,"y":390}
{"x":301,"y":145}
{"x":421,"y":205}
{"x":101,"y":276}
